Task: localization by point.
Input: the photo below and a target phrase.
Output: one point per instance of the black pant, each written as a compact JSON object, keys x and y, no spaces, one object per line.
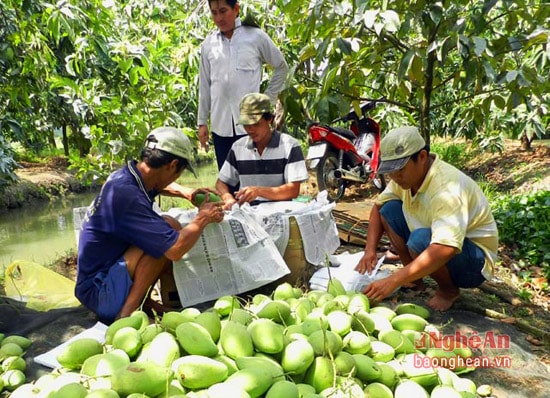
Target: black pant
{"x":222,"y":146}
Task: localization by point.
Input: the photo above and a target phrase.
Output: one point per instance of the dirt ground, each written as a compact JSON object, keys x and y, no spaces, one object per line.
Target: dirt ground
{"x":494,"y":306}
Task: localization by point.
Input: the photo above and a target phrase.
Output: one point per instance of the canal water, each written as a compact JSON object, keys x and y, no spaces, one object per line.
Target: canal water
{"x":44,"y":232}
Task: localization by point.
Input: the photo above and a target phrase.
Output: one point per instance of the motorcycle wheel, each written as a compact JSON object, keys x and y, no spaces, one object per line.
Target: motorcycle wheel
{"x":326,"y":180}
{"x":379,"y":182}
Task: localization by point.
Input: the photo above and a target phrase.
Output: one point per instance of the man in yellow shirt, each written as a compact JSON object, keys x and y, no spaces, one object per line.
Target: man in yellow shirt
{"x":436,"y":217}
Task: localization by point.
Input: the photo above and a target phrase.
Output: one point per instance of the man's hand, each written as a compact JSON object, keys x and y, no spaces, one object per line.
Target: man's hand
{"x":380,"y":289}
{"x":211,"y":211}
{"x":247,"y":194}
{"x":228,"y":201}
{"x":367,"y":263}
{"x":204,"y":135}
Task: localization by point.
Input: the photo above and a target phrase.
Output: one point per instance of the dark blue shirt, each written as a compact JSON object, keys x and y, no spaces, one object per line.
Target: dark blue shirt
{"x":120,"y":216}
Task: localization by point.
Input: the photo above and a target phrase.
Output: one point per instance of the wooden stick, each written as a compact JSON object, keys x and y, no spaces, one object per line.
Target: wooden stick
{"x":521,"y":325}
{"x":500,"y":292}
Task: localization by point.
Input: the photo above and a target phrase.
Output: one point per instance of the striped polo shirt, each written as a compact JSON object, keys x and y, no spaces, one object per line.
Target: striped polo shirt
{"x":281,"y":162}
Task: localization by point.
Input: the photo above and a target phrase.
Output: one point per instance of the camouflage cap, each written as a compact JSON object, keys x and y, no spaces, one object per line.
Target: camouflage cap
{"x":252,"y":107}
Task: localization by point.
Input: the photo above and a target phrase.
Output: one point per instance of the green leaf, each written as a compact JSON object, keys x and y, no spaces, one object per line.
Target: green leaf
{"x":344,"y":46}
{"x":480,"y":44}
{"x":436,"y":13}
{"x":125,"y":64}
{"x":499,"y":101}
{"x":539,"y":36}
{"x":323,"y":109}
{"x":133,"y":76}
{"x":416,"y":72}
{"x":293,"y":108}
{"x":391,"y":21}
{"x":511,"y":76}
{"x":369,"y":18}
{"x":307,"y":53}
{"x":405,"y":64}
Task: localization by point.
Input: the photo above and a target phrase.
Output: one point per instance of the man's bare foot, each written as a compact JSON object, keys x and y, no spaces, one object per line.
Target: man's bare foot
{"x":418,"y":286}
{"x":391,"y":257}
{"x":442,"y":301}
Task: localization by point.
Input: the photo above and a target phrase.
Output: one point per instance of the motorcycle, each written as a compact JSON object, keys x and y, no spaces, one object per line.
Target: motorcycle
{"x":344,"y":156}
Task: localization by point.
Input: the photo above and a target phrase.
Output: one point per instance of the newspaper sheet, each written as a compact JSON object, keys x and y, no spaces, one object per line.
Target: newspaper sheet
{"x":231,"y":257}
{"x":315,"y":220}
{"x":319,"y":231}
{"x":274,"y":218}
{"x":345,"y":272}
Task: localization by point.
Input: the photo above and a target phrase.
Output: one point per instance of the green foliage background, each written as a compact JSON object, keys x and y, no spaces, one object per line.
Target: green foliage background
{"x":104,"y":72}
{"x":524,"y":225}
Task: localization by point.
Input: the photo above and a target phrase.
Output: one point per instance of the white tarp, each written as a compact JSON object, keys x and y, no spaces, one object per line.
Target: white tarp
{"x":49,"y":359}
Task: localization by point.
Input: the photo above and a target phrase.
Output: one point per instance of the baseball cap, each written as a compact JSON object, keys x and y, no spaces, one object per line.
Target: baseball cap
{"x":174,"y":141}
{"x":397,"y":147}
{"x":252,"y":107}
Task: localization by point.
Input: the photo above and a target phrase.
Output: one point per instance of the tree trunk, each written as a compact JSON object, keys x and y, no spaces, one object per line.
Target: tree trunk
{"x":65,"y":141}
{"x":427,"y":96}
{"x":82,"y":144}
{"x":51,"y":139}
{"x":525,"y":142}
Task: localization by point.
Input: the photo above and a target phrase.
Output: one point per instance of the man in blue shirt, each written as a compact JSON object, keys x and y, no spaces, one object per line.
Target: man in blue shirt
{"x":125,"y":245}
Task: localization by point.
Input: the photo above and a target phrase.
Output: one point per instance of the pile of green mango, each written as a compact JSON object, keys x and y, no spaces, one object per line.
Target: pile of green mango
{"x":12,"y":363}
{"x":289,"y":344}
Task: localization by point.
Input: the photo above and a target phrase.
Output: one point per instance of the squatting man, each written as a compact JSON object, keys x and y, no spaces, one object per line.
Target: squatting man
{"x":436,"y":217}
{"x":125,"y":246}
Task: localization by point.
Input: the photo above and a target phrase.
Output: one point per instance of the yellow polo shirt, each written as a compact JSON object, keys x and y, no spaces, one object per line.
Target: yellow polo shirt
{"x":453,"y":206}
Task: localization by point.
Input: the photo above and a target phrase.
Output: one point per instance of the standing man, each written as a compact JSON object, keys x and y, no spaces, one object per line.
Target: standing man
{"x":124,"y":245}
{"x":268,"y":165}
{"x":437,"y":218}
{"x":231,"y":66}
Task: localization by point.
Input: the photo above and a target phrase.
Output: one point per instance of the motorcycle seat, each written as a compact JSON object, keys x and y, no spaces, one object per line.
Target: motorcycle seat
{"x":350,"y":135}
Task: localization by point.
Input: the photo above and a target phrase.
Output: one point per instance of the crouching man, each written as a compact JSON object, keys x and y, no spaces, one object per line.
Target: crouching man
{"x":124,"y":245}
{"x":437,"y":218}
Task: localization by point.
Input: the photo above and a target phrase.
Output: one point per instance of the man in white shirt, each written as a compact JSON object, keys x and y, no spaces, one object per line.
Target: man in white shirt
{"x":231,"y":66}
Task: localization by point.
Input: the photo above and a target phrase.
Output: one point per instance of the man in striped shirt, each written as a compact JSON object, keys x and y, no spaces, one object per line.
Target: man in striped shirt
{"x":267,"y":164}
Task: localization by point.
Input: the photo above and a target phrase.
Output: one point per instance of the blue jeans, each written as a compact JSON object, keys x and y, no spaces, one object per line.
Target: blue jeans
{"x":464,"y":268}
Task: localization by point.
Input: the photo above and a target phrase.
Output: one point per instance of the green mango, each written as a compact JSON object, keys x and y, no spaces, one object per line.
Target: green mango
{"x":196,"y":340}
{"x":236,"y":341}
{"x":198,"y":372}
{"x":21,"y":341}
{"x":283,"y":389}
{"x":267,"y":335}
{"x":212,"y":197}
{"x":77,"y":351}
{"x":297,"y":356}
{"x":147,"y":378}
{"x":105,"y":364}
